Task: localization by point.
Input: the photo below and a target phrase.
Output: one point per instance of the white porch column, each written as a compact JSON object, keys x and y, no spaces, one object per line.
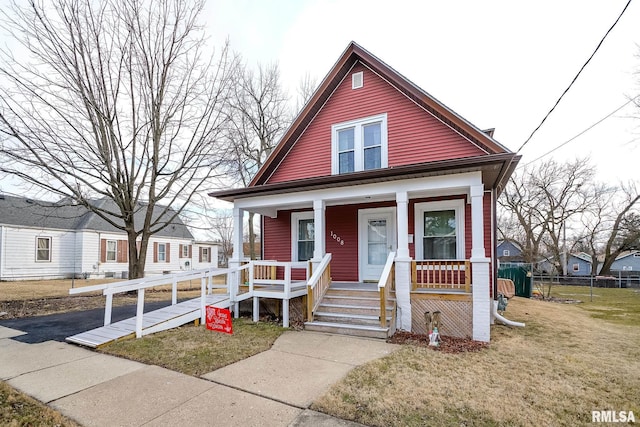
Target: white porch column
{"x":403,"y":263}
{"x":236,"y":258}
{"x":319,"y":231}
{"x":238,"y":226}
{"x":480,"y":268}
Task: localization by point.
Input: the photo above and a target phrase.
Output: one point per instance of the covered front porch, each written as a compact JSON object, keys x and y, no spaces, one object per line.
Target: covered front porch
{"x":361,"y":223}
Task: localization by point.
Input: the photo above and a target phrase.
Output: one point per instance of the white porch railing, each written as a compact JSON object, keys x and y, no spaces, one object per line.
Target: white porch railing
{"x":386,"y":284}
{"x":318,"y":285}
{"x":139,"y":285}
{"x":263,"y":283}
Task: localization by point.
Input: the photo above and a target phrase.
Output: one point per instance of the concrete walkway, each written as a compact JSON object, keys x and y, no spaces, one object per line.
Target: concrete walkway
{"x":273,"y":388}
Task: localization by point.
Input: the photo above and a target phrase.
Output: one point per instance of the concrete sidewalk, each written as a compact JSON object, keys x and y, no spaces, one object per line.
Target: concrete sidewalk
{"x":273,"y":388}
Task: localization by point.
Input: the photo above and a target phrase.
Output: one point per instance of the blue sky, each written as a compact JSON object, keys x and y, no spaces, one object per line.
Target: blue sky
{"x":499,"y":64}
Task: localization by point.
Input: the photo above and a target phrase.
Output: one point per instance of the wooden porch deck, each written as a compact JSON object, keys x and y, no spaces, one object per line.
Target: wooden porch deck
{"x":154,"y":321}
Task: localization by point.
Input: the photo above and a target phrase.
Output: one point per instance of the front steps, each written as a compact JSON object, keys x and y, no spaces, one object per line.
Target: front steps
{"x":351,"y":310}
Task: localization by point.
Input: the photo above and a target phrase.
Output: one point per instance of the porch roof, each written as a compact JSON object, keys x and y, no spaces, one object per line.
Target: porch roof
{"x":495,"y":168}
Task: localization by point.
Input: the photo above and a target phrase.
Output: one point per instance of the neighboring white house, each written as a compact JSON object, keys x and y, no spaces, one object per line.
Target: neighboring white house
{"x":55,"y":240}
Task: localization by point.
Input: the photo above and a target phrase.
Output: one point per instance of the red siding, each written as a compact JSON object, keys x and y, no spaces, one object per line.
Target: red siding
{"x":277,"y":237}
{"x":343,"y":222}
{"x":414,"y":135}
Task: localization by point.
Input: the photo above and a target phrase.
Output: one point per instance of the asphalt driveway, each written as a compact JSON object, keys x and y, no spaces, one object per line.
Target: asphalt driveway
{"x":57,"y":327}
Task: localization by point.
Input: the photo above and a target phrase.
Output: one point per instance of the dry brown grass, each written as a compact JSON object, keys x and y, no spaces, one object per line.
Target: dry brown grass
{"x":555,"y":371}
{"x":17,"y":409}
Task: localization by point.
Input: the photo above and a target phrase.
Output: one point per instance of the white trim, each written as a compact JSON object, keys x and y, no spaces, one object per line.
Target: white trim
{"x":295,"y":222}
{"x":49,"y":248}
{"x":357,"y":80}
{"x":364,"y":193}
{"x":362,"y":214}
{"x":358,"y":142}
{"x":106,"y":250}
{"x":455,"y":204}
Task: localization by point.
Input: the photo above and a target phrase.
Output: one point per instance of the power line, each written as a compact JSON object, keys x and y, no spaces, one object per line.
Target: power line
{"x":575,"y":78}
{"x":581,"y":133}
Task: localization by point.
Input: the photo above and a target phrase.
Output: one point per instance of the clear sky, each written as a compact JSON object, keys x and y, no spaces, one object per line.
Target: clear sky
{"x":499,"y":64}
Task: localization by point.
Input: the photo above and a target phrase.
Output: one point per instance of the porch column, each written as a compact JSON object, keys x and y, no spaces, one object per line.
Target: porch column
{"x":480,"y":268}
{"x":403,"y":263}
{"x":236,"y":258}
{"x":238,"y":223}
{"x":319,"y":231}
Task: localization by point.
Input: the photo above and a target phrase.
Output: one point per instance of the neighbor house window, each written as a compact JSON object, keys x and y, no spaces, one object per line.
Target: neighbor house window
{"x":185,"y":251}
{"x":576,"y":267}
{"x":505,"y":252}
{"x":43,"y":249}
{"x":303,"y":236}
{"x":439,"y":228}
{"x":112,"y":250}
{"x":359,"y":145}
{"x":205,"y":255}
{"x":161,"y":252}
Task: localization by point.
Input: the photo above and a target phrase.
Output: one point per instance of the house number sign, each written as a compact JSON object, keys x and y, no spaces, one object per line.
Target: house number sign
{"x":337,"y":238}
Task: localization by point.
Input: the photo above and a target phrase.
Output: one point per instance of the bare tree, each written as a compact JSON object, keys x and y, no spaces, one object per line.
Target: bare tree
{"x":259,"y":115}
{"x":115,"y":100}
{"x":306,"y":87}
{"x":613,"y":226}
{"x":221,"y":227}
{"x":543,"y":200}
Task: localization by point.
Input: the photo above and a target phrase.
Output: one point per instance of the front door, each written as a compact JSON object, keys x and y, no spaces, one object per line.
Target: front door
{"x":376,"y":237}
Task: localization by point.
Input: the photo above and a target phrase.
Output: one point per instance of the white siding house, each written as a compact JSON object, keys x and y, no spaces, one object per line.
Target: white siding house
{"x":41,"y":240}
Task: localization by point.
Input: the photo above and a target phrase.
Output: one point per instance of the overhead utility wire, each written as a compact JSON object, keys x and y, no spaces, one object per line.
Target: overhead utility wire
{"x":581,"y":133}
{"x":575,"y":78}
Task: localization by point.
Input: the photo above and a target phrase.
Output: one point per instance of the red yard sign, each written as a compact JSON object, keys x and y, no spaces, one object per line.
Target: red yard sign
{"x":219,"y":319}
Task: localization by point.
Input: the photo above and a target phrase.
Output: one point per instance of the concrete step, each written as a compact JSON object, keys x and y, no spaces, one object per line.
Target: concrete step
{"x":344,"y":329}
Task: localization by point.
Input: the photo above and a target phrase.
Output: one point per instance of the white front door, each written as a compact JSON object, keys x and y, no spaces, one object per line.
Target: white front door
{"x":376,"y":237}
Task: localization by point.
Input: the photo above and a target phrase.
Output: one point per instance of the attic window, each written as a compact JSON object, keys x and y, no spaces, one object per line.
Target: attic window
{"x":357,"y":80}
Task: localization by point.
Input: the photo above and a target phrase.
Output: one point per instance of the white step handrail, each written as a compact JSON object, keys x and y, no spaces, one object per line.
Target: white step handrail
{"x":314,"y":296}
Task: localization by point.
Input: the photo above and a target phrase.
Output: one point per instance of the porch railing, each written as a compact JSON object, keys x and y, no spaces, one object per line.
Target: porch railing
{"x":386,"y":284}
{"x":140,"y":285}
{"x":441,"y":275}
{"x":318,"y":285}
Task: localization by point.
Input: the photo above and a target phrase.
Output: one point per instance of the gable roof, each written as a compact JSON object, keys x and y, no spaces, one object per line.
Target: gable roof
{"x":21,"y":211}
{"x":352,"y":54}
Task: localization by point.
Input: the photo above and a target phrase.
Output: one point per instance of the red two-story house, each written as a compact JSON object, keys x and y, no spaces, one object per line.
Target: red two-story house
{"x":374,"y":165}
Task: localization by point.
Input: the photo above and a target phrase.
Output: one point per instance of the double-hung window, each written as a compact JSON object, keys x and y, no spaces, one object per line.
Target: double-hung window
{"x":43,"y":249}
{"x":303,"y":236}
{"x":359,"y":145}
{"x":162,"y":252}
{"x":112,"y":250}
{"x":439,"y":229}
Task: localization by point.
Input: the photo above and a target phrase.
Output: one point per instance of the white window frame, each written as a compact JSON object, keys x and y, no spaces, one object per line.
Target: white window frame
{"x":185,"y":251}
{"x":445,"y":205}
{"x":505,"y":252}
{"x":50,"y":240}
{"x":575,"y":267}
{"x":295,"y":223}
{"x":358,"y":143}
{"x":163,"y":252}
{"x":115,"y":251}
{"x":205,"y":254}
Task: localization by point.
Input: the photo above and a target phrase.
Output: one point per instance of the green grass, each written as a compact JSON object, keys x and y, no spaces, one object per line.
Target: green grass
{"x":195,"y":350}
{"x":17,"y":409}
{"x":619,"y":306}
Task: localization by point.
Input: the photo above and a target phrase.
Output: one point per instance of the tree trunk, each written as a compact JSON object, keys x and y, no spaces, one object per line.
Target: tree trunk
{"x":137,"y":255}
